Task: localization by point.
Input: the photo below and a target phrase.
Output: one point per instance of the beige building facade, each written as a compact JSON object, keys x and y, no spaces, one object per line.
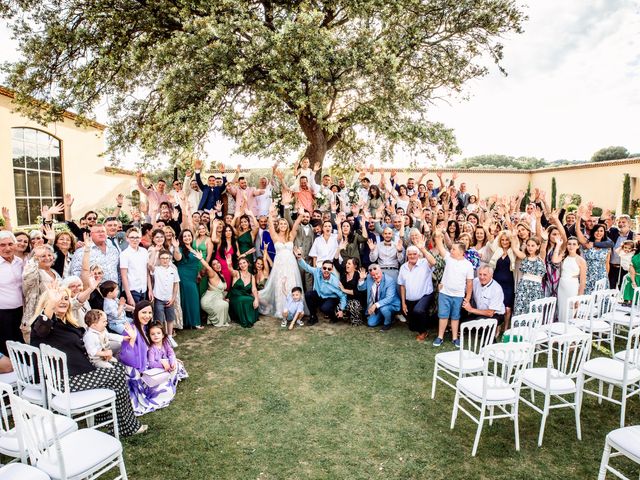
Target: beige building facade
{"x":39,"y":164}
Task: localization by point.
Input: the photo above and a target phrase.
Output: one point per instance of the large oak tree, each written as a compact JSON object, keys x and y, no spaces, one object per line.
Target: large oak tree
{"x":349,"y":77}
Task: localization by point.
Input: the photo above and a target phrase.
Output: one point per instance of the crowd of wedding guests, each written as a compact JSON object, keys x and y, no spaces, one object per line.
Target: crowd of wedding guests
{"x":214,"y":250}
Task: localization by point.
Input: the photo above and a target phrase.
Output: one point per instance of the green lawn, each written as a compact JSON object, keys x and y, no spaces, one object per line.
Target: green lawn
{"x":338,"y":402}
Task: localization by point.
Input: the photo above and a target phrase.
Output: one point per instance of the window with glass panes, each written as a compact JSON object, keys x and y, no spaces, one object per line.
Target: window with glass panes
{"x":37,"y":172}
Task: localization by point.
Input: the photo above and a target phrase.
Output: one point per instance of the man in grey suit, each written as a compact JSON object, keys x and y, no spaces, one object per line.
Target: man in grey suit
{"x":304,"y":240}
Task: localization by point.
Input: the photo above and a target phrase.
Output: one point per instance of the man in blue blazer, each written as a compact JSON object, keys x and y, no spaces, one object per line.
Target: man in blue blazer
{"x":382,"y":297}
{"x":213,"y":190}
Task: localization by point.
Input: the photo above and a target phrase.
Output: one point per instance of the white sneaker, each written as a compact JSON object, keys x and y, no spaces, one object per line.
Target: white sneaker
{"x":300,"y":323}
{"x":172,"y":342}
{"x":402,"y":318}
{"x":284,"y":323}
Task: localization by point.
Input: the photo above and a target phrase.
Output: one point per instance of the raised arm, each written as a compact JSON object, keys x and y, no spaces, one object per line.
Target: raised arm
{"x":515,"y":246}
{"x":439,"y":242}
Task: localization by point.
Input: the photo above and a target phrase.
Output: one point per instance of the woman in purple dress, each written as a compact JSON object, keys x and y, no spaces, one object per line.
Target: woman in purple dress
{"x":149,"y":389}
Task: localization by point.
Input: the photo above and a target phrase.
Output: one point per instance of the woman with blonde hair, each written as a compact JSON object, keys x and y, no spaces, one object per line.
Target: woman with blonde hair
{"x":55,"y":326}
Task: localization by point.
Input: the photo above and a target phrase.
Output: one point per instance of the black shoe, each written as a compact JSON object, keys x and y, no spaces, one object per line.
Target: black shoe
{"x":385,"y":328}
{"x":312,"y":320}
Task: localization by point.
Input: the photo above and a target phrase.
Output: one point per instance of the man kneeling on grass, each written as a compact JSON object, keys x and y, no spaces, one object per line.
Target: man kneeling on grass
{"x":382,"y":297}
{"x":456,"y":287}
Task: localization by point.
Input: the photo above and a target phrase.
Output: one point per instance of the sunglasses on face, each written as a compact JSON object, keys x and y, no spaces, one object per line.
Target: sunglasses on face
{"x":327,"y":269}
{"x":91,"y":218}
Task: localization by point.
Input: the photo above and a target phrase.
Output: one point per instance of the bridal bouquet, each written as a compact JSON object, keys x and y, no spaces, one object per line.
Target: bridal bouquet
{"x":353,"y":195}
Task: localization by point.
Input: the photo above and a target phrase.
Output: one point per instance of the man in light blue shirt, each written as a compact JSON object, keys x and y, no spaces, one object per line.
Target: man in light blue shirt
{"x":326,"y":294}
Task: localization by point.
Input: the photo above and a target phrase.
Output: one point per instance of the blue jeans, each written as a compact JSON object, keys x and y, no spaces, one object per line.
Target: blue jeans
{"x":383,"y":314}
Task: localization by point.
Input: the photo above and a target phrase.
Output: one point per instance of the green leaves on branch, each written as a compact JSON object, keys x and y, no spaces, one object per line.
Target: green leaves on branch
{"x":352,"y":77}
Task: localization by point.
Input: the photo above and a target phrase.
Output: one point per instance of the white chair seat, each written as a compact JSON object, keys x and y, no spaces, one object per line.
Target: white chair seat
{"x":561,"y":328}
{"x":540,"y":335}
{"x":82,"y":451}
{"x":609,"y":369}
{"x":83,"y":400}
{"x":64,"y":426}
{"x":621,"y":355}
{"x":537,"y":378}
{"x":20,"y":471}
{"x":32,"y":394}
{"x":620,"y":318}
{"x":626,"y":439}
{"x":596,"y":325}
{"x":472,"y":387}
{"x":10,"y":378}
{"x":451,"y":360}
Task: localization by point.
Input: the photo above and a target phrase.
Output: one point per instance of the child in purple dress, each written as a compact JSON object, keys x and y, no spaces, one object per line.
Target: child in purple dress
{"x":160,"y":353}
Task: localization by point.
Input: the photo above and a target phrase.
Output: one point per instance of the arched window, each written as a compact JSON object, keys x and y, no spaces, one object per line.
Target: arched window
{"x":37,"y":172}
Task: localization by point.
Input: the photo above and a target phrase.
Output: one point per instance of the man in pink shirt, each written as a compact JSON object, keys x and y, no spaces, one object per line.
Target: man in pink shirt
{"x":243,"y":193}
{"x":155,"y":195}
{"x":11,"y":300}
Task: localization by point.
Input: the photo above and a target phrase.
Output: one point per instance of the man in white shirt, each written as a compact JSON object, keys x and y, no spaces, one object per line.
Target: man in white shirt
{"x":416,"y":289}
{"x":456,"y":287}
{"x":263,"y":201}
{"x":487,"y":297}
{"x":388,"y":254}
{"x":11,"y":300}
{"x":133,"y":268}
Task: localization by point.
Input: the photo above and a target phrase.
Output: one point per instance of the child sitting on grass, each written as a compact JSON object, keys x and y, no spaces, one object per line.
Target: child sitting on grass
{"x":160,"y":354}
{"x":294,"y":307}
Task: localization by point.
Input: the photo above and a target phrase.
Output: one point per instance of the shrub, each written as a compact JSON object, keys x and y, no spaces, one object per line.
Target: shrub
{"x":571,"y":208}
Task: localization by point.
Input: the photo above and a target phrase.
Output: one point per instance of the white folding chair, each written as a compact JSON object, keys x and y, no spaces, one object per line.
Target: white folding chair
{"x":624,"y":375}
{"x":9,"y":442}
{"x":523,"y":327}
{"x":567,"y":354}
{"x":497,"y":387}
{"x":83,"y":454}
{"x":20,"y":471}
{"x":474,"y":336}
{"x":545,"y":306}
{"x":27,"y":365}
{"x":601,"y":284}
{"x":634,"y":320}
{"x":83,"y":405}
{"x":624,"y":441}
{"x":621,"y":318}
{"x":603,"y":302}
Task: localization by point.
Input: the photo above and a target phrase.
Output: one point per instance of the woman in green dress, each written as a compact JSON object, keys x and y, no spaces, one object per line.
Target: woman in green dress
{"x":243,"y":296}
{"x":188,"y":267}
{"x":214,"y":301}
{"x":203,"y":244}
{"x":246,"y":227}
{"x":634,"y":275}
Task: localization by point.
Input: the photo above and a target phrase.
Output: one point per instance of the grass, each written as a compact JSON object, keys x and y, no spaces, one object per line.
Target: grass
{"x":336,"y":402}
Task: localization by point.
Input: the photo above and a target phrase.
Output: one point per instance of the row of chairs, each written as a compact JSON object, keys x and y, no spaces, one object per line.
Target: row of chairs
{"x":56,"y":448}
{"x":489,"y":376}
{"x":42,"y":392}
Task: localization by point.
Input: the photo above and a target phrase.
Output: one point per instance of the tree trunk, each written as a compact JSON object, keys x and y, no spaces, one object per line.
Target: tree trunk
{"x":318,"y":144}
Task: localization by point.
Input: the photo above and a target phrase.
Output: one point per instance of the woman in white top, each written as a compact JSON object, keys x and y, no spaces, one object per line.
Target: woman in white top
{"x":573,"y":276}
{"x":324,"y":247}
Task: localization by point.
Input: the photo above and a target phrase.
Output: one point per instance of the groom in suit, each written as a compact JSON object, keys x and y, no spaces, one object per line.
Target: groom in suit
{"x":304,"y":240}
{"x":382,"y":297}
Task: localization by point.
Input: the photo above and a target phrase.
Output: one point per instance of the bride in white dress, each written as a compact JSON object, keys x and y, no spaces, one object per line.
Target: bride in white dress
{"x":573,"y":277}
{"x":285,"y":273}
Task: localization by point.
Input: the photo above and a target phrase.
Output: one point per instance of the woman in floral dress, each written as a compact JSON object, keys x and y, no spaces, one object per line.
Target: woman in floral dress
{"x":596,"y":251}
{"x":532,"y":268}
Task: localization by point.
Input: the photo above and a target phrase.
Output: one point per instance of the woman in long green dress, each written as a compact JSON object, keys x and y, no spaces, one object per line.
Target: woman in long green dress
{"x":246,"y":231}
{"x":188,"y":268}
{"x":214,"y":301}
{"x":634,"y":275}
{"x":243,"y":296}
{"x":204,"y":245}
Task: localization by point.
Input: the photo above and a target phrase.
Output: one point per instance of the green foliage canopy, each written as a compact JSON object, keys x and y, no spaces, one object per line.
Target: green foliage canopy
{"x":347,"y":76}
{"x":610,"y":153}
{"x":501,"y":161}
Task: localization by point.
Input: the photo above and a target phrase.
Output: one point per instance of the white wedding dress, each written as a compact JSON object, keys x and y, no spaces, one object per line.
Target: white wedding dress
{"x":285,"y":271}
{"x":568,"y":286}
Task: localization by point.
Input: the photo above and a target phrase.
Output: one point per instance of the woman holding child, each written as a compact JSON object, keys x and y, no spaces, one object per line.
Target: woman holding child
{"x":54,"y":325}
{"x":150,"y":390}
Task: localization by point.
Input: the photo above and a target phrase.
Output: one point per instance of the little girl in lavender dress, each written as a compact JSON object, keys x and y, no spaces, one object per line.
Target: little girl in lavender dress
{"x":160,"y":354}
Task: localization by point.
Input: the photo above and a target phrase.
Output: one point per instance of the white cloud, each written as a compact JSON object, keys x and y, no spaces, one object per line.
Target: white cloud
{"x":573,"y":87}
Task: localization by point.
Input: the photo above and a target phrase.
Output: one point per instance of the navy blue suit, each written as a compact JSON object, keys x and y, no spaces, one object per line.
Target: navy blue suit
{"x":210,"y":195}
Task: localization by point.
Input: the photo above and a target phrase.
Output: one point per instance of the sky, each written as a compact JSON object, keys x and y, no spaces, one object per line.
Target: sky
{"x":573,"y":87}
